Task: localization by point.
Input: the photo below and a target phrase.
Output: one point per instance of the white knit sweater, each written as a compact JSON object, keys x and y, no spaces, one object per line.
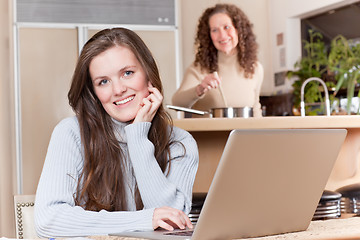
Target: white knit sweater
{"x":55,"y":212}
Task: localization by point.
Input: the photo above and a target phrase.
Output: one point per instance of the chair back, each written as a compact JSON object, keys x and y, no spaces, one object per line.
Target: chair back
{"x":24,"y":216}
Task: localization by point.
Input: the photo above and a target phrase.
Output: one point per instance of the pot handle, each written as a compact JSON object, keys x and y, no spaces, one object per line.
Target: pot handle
{"x":189,"y":110}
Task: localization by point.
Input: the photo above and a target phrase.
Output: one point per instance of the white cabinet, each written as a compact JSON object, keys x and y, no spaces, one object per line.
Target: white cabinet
{"x":47,"y":58}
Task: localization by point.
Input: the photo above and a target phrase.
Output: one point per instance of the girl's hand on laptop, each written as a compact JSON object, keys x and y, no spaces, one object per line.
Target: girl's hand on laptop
{"x":170,"y":218}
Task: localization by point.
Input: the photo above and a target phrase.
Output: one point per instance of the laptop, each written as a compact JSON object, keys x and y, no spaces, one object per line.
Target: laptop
{"x":267,"y":182}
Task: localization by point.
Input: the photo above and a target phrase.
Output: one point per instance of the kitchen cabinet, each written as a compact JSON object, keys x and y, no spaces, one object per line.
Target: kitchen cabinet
{"x":278,"y":105}
{"x":211,"y":135}
{"x":47,"y":58}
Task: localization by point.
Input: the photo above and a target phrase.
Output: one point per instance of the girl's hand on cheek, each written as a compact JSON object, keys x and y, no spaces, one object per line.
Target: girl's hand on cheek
{"x":149,"y":105}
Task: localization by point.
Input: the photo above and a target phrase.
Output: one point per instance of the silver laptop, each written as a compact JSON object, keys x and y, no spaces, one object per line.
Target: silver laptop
{"x":267,"y":182}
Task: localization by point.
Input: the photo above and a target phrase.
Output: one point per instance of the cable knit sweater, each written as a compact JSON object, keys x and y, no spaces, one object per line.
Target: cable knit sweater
{"x":55,"y":212}
{"x":238,"y":90}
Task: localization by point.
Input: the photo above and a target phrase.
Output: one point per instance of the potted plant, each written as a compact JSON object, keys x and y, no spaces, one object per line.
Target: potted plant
{"x":344,"y":62}
{"x":313,"y":64}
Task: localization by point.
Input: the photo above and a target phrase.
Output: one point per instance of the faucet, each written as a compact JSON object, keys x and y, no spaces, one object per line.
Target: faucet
{"x":327,"y":101}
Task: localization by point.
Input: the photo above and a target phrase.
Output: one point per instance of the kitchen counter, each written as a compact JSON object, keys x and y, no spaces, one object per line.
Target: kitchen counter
{"x":334,"y":229}
{"x":211,"y":135}
{"x":227,"y":124}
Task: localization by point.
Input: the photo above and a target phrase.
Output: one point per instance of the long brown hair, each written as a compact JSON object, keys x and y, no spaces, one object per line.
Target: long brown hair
{"x":101,"y":184}
{"x":206,"y":53}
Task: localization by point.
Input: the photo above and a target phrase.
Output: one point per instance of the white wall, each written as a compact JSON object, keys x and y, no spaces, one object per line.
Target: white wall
{"x":285,"y":17}
{"x":7,"y":136}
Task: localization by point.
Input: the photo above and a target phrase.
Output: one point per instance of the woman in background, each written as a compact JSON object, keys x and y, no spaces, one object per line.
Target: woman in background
{"x":226,"y":60}
{"x":119,"y":164}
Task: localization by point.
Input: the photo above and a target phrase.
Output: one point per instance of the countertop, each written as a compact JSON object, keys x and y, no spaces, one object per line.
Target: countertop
{"x":334,"y":229}
{"x":227,"y":124}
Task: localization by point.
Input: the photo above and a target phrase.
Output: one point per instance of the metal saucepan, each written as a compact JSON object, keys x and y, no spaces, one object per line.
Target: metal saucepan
{"x":228,"y":112}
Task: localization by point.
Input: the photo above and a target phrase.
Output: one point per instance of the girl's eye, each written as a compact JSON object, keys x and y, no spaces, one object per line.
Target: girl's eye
{"x":213,"y":30}
{"x":227,"y":27}
{"x":103,"y":82}
{"x":128,"y":73}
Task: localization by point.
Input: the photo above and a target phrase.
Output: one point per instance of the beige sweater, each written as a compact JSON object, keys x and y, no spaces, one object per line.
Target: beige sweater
{"x":238,"y":90}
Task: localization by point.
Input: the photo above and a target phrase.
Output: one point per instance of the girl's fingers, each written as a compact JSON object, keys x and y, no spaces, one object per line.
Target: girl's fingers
{"x":185,"y":220}
{"x":166,"y":226}
{"x":170,"y":218}
{"x":175,"y":221}
{"x":156,"y":99}
{"x":146,"y":106}
{"x":149,"y":105}
{"x":141,"y":115}
{"x":154,"y":106}
{"x":156,"y":92}
{"x":155,"y":96}
{"x":188,"y":222}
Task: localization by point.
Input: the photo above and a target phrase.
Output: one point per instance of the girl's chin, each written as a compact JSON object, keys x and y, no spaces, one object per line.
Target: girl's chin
{"x":128,"y":119}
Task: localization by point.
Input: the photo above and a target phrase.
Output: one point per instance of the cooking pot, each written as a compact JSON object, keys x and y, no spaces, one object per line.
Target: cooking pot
{"x":226,"y":112}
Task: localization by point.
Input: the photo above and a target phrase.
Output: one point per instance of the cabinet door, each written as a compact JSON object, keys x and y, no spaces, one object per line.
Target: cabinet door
{"x":47,"y":59}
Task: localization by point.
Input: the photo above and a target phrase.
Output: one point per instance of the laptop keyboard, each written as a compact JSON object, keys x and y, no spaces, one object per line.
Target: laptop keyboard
{"x":180,"y":233}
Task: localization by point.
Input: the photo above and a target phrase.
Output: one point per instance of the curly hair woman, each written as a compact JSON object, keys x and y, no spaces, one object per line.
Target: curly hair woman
{"x":225,"y":63}
{"x":119,"y":164}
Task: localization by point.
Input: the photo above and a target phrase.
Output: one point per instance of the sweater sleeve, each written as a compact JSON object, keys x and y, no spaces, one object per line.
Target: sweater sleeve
{"x":258,"y":77}
{"x":55,"y":212}
{"x":172,"y":188}
{"x":186,"y":95}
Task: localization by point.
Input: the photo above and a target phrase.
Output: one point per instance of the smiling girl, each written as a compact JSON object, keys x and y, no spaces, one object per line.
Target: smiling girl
{"x":119,"y":164}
